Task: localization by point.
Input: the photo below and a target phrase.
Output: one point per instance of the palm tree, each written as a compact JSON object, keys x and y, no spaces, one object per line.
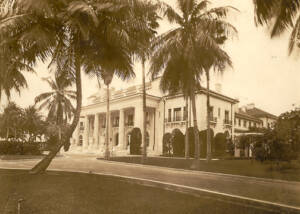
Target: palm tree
{"x":179,"y":51}
{"x":32,"y":122}
{"x":62,"y":31}
{"x":280,"y":15}
{"x":58,"y":101}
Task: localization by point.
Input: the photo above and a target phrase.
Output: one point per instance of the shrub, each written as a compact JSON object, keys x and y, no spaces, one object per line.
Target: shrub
{"x":19,"y":148}
{"x":191,"y":141}
{"x":220,"y":144}
{"x":167,"y":144}
{"x":135,"y":141}
{"x":203,"y":142}
{"x":260,"y":151}
{"x":177,"y":142}
{"x":230,"y":147}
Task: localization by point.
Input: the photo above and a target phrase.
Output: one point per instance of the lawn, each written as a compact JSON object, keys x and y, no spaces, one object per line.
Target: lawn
{"x":75,"y":193}
{"x":290,"y":172}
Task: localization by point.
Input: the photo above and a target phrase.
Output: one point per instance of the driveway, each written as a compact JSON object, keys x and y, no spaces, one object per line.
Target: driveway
{"x":283,"y":193}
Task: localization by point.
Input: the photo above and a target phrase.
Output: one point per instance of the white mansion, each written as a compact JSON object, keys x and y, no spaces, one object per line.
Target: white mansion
{"x":164,"y":113}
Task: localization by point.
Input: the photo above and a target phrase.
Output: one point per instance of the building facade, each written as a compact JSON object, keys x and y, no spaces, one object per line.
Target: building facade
{"x":164,"y":114}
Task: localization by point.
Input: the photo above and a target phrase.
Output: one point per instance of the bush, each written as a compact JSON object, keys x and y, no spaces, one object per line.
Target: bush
{"x":220,"y":144}
{"x":191,"y":141}
{"x":135,"y":141}
{"x":260,"y":151}
{"x":230,"y":147}
{"x":203,"y":142}
{"x":177,"y":142}
{"x":19,"y":148}
{"x":167,"y":144}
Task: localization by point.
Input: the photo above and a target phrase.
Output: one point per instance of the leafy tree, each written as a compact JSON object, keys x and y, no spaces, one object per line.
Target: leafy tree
{"x":32,"y":123}
{"x":181,"y":52}
{"x":220,"y":144}
{"x":11,"y":121}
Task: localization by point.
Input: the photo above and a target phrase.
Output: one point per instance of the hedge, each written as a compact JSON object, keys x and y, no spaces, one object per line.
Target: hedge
{"x":177,"y":142}
{"x":19,"y":148}
{"x":135,"y":141}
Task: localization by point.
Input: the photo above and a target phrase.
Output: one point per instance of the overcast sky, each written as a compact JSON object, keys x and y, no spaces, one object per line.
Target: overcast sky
{"x":263,"y":73}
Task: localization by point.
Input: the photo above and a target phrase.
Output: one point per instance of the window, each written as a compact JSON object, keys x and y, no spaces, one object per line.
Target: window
{"x":177,"y":114}
{"x":239,"y":122}
{"x":116,"y":121}
{"x":245,"y":123}
{"x":250,"y":124}
{"x":81,"y":126}
{"x":130,"y":120}
{"x":185,"y":114}
{"x":226,"y":120}
{"x":147,"y":117}
{"x":211,"y":112}
{"x":80,"y":140}
{"x":219,"y":112}
{"x":104,"y":122}
{"x":234,"y":121}
{"x":169,"y":115}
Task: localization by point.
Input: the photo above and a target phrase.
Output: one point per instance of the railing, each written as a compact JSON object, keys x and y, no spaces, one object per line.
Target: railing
{"x":227,"y":122}
{"x":177,"y":119}
{"x":213,"y":119}
{"x":129,"y":123}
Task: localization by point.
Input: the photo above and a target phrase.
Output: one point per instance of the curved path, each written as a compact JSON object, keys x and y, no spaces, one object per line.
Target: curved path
{"x":282,"y":193}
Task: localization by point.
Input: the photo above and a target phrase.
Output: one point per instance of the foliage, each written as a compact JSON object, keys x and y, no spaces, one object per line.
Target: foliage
{"x":21,"y":124}
{"x":135,"y":141}
{"x":177,"y":142}
{"x":230,"y":147}
{"x":167,"y":144}
{"x":191,"y":134}
{"x":220,"y":145}
{"x":19,"y":148}
{"x":203,"y":140}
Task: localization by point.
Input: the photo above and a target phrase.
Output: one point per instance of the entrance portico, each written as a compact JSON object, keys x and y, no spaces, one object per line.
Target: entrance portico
{"x":124,"y":116}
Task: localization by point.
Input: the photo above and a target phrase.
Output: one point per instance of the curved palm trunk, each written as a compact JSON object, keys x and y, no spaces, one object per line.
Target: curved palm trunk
{"x":208,"y":140}
{"x":187,"y":150}
{"x":144,"y":154}
{"x":107,"y":124}
{"x":45,"y":162}
{"x":196,"y":131}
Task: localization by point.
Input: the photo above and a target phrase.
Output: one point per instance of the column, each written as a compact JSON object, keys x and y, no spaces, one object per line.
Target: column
{"x":76,"y":134}
{"x":121,"y":129}
{"x":86,"y":132}
{"x":138,"y":116}
{"x":96,"y":131}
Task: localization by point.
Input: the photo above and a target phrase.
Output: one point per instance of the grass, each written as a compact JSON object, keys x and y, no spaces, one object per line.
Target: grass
{"x":68,"y":193}
{"x":290,"y":172}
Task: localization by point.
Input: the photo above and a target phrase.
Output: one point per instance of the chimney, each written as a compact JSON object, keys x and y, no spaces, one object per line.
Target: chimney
{"x":218,"y":87}
{"x":250,"y":106}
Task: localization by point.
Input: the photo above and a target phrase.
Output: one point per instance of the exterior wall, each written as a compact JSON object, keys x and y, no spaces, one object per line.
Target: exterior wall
{"x":268,"y":122}
{"x":89,"y":136}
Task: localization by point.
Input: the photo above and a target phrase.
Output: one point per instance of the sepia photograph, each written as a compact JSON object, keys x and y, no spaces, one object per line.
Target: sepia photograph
{"x":149,"y":106}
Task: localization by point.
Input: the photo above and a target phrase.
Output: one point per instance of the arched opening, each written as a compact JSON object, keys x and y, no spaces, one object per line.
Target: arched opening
{"x":116,"y":139}
{"x":80,"y":140}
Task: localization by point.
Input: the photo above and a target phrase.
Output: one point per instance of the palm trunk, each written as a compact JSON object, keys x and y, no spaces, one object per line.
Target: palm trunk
{"x":196,"y":131}
{"x":187,"y":150}
{"x":45,"y":162}
{"x":107,"y":124}
{"x":208,"y":140}
{"x":144,"y":155}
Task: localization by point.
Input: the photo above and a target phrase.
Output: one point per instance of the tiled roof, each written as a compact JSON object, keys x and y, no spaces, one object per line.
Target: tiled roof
{"x":242,"y":114}
{"x":256,"y":112}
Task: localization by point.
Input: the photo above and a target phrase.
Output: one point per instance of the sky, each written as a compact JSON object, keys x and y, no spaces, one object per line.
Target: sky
{"x":262,"y":72}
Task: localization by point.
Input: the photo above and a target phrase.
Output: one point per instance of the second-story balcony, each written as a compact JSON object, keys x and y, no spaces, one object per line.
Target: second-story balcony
{"x":129,"y":123}
{"x":213,"y":119}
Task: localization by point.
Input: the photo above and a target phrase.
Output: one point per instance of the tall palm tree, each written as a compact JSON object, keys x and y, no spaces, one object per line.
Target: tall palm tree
{"x":58,"y":102}
{"x":280,"y":15}
{"x":179,"y":51}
